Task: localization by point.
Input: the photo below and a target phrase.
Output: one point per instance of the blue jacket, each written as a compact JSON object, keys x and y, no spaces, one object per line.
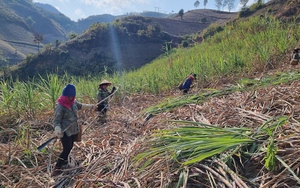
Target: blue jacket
{"x":188,"y":82}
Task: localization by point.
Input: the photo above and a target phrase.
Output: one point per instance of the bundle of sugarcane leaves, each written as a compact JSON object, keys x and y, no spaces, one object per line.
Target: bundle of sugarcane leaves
{"x":209,"y":156}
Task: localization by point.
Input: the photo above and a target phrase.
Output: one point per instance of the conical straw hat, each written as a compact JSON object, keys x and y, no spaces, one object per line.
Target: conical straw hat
{"x":105,"y":82}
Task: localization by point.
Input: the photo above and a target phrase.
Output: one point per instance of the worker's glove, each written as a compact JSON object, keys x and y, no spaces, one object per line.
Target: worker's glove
{"x":57,"y":132}
{"x":113,"y":90}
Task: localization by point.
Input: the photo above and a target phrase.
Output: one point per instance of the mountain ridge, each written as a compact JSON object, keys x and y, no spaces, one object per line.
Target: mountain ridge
{"x":146,"y":40}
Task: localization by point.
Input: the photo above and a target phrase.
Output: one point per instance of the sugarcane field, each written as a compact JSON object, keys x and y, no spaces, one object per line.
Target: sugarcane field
{"x":201,"y":98}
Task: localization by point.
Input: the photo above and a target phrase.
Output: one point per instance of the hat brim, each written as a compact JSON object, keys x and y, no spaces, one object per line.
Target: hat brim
{"x":105,"y":84}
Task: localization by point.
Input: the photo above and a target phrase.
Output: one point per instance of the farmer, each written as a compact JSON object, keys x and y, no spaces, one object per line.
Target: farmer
{"x":295,"y":56}
{"x":102,"y":97}
{"x":65,"y":124}
{"x":186,"y":85}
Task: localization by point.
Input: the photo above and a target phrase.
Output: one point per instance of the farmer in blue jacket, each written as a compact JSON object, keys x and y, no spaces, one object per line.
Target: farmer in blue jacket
{"x":186,"y":85}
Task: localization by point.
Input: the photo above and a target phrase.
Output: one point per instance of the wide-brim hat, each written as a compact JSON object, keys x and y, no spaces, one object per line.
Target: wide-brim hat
{"x":105,"y":82}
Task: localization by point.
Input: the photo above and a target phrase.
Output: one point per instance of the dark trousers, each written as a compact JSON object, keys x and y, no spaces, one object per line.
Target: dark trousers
{"x":67,"y":143}
{"x":102,"y":108}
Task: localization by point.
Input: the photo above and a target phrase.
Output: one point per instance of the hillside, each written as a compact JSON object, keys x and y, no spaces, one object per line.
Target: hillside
{"x":194,"y":21}
{"x":32,"y":19}
{"x":128,"y":43}
{"x":24,"y":20}
{"x":20,"y":22}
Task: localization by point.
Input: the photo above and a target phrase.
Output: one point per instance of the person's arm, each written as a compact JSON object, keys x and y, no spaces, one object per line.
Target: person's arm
{"x":99,"y":97}
{"x":88,"y":106}
{"x":58,"y":115}
{"x":113,"y":90}
{"x":83,"y":106}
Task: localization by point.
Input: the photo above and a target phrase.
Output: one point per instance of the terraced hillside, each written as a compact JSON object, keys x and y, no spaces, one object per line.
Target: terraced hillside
{"x":194,"y":21}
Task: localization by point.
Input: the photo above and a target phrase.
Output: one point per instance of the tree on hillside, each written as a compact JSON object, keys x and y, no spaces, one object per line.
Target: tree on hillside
{"x":230,"y":5}
{"x":57,"y":43}
{"x":72,"y":35}
{"x":38,"y":38}
{"x":196,"y":4}
{"x":244,"y":2}
{"x":180,"y":13}
{"x":204,"y":3}
{"x":48,"y":48}
{"x":224,"y":4}
{"x":261,"y":2}
{"x":219,"y":4}
{"x":3,"y":60}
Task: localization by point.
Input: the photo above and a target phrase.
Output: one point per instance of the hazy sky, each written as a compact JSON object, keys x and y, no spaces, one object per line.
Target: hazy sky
{"x":77,"y":9}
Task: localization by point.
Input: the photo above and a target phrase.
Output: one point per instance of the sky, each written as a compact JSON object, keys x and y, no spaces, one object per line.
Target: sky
{"x":78,"y":9}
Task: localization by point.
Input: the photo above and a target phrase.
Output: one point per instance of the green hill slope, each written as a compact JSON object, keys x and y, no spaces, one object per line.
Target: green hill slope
{"x":125,"y":44}
{"x":20,"y":22}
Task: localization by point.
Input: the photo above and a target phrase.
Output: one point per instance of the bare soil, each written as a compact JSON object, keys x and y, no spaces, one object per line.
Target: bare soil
{"x":193,"y":21}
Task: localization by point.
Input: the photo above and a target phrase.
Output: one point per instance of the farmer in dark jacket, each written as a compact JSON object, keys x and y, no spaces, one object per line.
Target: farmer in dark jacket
{"x":102,"y":97}
{"x":186,"y":85}
{"x":65,"y":123}
{"x":295,"y":56}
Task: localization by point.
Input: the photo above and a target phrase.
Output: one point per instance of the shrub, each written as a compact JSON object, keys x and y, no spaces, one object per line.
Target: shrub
{"x":185,"y":44}
{"x":203,"y":20}
{"x":244,"y":12}
{"x":211,"y":30}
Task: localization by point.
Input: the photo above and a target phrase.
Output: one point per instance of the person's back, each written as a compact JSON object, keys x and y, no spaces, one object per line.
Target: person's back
{"x":295,"y":57}
{"x":187,"y":83}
